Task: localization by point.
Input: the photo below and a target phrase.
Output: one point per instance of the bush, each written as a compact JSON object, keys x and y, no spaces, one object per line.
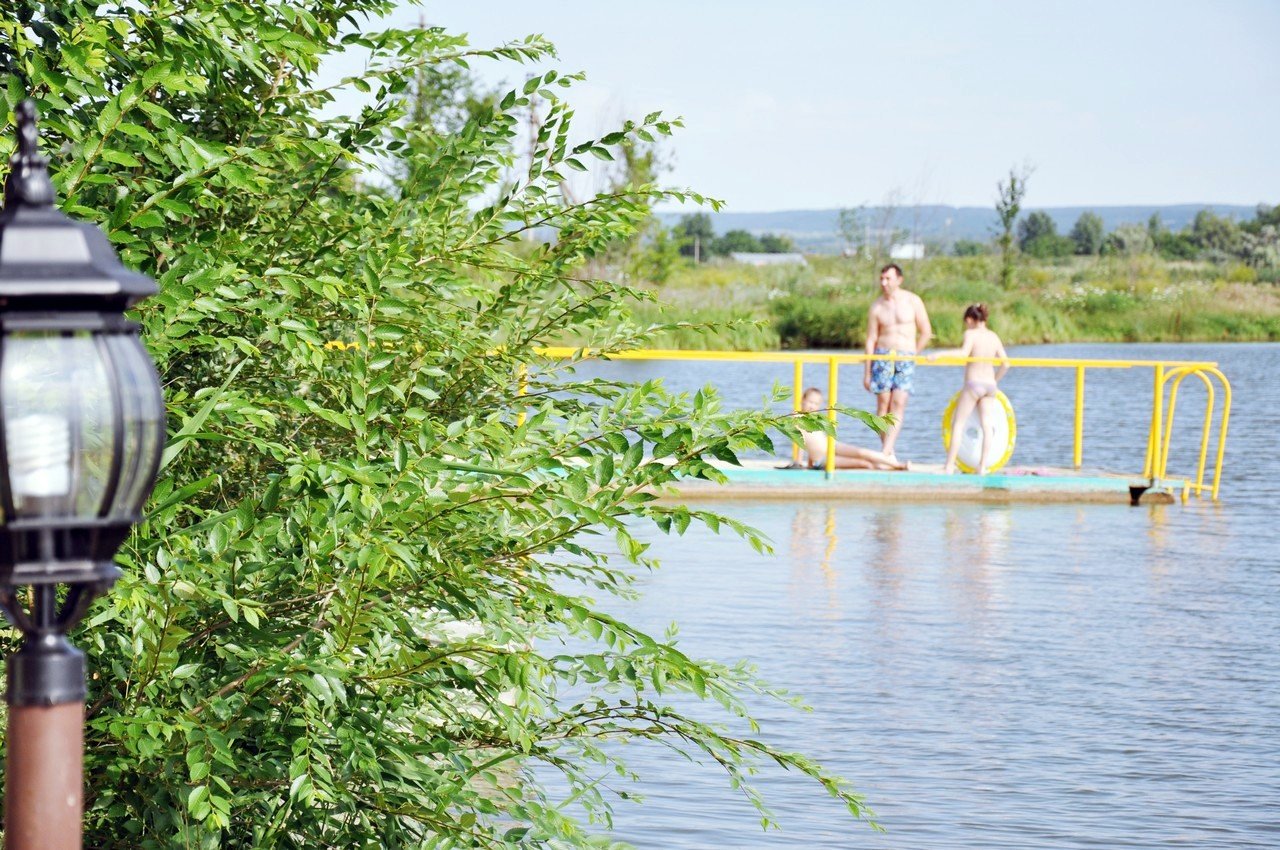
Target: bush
{"x":1240,"y":273}
{"x":1269,"y":275}
{"x":817,"y":321}
{"x":354,"y":614}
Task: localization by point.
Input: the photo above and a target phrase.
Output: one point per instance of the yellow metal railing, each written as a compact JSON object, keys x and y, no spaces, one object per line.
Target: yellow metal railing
{"x":1173,"y":378}
{"x":1167,"y":375}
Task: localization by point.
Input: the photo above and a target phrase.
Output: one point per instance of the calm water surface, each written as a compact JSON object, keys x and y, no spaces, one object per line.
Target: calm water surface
{"x":995,"y":676}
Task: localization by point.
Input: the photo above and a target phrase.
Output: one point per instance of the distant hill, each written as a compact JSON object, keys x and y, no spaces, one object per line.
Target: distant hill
{"x":815,"y":230}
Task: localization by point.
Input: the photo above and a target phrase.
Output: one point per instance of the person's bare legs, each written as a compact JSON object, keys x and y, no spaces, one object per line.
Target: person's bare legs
{"x":877,"y":460}
{"x":963,"y":408}
{"x":882,"y":408}
{"x":898,"y":407}
{"x":987,"y":412}
{"x":844,"y":462}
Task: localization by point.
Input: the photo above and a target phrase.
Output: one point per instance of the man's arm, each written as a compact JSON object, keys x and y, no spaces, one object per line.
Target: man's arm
{"x":924,"y":331}
{"x":873,"y":337}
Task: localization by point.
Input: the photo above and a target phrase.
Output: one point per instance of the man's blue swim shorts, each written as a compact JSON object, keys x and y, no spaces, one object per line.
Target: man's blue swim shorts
{"x":887,"y":375}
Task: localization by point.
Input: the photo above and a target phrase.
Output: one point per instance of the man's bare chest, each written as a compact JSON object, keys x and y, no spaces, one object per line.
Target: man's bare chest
{"x":899,"y":311}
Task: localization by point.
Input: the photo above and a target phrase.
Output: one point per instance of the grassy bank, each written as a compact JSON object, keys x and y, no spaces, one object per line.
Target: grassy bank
{"x":1083,"y":299}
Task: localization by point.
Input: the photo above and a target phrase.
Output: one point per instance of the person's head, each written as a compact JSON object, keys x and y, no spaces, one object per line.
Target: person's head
{"x":975,"y":314}
{"x":811,"y":400}
{"x":890,"y":279}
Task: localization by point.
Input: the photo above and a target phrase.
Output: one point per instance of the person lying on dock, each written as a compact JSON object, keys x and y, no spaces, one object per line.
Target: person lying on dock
{"x":980,"y":383}
{"x":847,"y":456}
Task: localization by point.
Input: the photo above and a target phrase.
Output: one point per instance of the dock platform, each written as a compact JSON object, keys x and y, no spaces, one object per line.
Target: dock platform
{"x":927,"y":482}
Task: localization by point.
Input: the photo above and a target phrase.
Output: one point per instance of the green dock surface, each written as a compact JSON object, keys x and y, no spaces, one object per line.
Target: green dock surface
{"x":769,"y":480}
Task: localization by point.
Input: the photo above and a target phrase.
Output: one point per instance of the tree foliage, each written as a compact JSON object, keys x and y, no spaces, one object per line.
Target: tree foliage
{"x":356,"y":613}
{"x":1128,"y":240}
{"x":1038,"y":237}
{"x":969,"y":248}
{"x":1009,"y":195}
{"x":695,"y":234}
{"x":1214,"y":235}
{"x":776,"y":243}
{"x":1087,"y":234}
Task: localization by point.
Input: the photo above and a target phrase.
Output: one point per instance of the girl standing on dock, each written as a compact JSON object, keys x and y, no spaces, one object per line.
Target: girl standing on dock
{"x":980,"y":383}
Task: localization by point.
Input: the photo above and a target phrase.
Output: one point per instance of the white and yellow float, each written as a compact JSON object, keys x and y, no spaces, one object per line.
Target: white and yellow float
{"x":970,"y":435}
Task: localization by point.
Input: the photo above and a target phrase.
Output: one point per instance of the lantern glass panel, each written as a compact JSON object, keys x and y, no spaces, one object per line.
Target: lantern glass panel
{"x":59,"y":428}
{"x":142,"y":415}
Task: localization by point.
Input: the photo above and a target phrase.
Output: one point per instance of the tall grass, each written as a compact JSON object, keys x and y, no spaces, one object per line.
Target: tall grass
{"x":1114,"y":299}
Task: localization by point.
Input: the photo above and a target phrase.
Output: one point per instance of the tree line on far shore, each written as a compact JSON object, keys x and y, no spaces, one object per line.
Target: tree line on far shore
{"x":696,"y":237}
{"x":1208,"y":237}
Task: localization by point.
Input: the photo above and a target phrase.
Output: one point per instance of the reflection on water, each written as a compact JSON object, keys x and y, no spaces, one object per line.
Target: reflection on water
{"x":1034,"y":676}
{"x":813,"y":544}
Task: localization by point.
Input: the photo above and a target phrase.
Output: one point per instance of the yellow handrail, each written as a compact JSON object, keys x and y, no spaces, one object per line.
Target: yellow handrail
{"x":566,"y":352}
{"x":1077,"y":438}
{"x":1177,"y":376}
{"x":1150,"y":467}
{"x":1222,"y":429}
{"x":1201,"y":372}
{"x":833,"y":388}
{"x":1159,"y":435}
{"x":797,"y":385}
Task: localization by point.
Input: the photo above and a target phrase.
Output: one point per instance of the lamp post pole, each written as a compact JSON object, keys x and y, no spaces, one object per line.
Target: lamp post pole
{"x":81,"y":433}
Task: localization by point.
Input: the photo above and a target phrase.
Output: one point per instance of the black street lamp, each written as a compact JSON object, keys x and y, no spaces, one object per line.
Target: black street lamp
{"x":81,"y":434}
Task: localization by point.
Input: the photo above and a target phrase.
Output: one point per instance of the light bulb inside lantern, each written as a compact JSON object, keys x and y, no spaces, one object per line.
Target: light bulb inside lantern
{"x":39,"y":447}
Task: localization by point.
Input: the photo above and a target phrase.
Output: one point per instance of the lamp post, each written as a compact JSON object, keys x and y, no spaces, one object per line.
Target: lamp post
{"x":81,"y":434}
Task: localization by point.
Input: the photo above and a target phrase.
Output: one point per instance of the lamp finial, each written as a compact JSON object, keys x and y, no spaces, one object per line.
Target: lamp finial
{"x":28,"y":182}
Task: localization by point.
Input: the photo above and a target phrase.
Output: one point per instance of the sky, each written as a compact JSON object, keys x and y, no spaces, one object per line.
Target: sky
{"x":812,"y":104}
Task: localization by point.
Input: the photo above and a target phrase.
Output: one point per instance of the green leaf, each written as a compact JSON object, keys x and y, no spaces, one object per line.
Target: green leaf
{"x":119,"y":157}
{"x":193,"y":425}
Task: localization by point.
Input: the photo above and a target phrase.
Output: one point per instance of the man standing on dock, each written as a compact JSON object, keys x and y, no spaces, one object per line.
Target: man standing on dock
{"x":897,"y":324}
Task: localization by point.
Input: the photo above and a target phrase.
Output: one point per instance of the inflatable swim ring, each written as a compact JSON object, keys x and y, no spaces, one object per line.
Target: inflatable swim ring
{"x":1006,"y":432}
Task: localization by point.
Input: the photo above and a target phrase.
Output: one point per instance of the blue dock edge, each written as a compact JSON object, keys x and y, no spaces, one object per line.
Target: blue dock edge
{"x":1039,"y":484}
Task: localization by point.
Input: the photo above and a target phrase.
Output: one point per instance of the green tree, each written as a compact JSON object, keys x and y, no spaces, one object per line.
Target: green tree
{"x":1038,"y":237}
{"x":1264,"y":215}
{"x":1261,"y":246}
{"x":773,"y":243}
{"x":736,"y":240}
{"x":657,"y":259}
{"x":1169,"y":245}
{"x":696,"y":235}
{"x":1128,"y":240}
{"x":358,"y":612}
{"x":968,"y":248}
{"x":1009,"y":195}
{"x":1087,"y":234}
{"x":1036,"y":225}
{"x":648,"y":252}
{"x":1216,"y":236}
{"x":852,"y":224}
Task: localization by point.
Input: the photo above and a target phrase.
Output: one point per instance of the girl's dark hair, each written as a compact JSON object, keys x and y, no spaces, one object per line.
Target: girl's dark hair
{"x":977,"y":312}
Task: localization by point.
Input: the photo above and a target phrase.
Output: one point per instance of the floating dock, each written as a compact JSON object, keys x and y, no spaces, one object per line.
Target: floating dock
{"x":1076,"y":483}
{"x":927,"y":482}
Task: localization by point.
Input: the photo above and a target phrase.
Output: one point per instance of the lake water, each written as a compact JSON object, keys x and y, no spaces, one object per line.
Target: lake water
{"x":996,"y":676}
